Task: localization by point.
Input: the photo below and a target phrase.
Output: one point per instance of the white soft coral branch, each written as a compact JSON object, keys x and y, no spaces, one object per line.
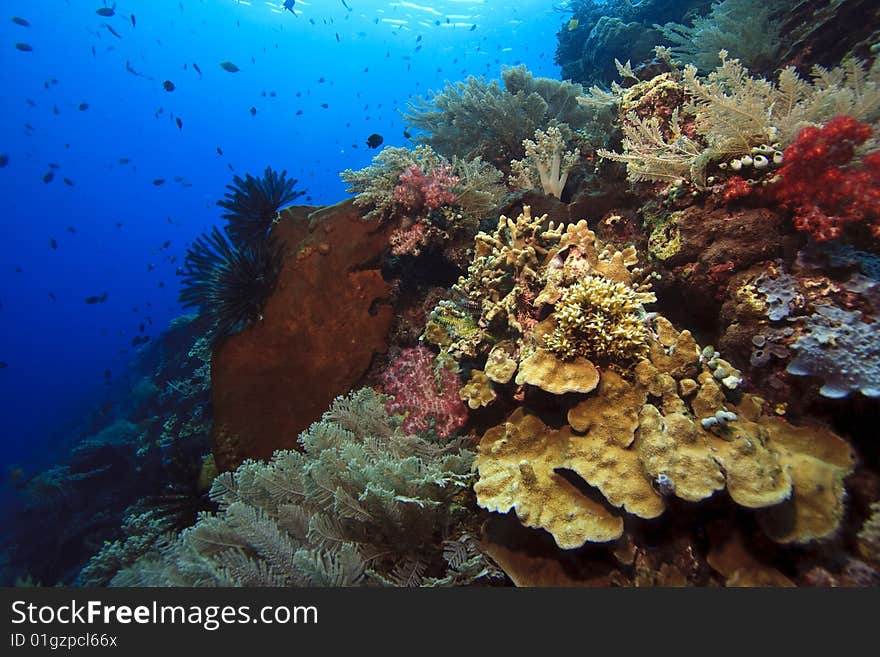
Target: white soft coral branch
{"x":544,"y":155}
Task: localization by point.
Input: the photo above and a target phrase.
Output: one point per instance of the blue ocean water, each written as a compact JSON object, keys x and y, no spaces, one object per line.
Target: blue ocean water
{"x":110,"y":176}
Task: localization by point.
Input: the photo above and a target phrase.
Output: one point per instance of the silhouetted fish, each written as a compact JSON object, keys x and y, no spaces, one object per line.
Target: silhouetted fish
{"x":96,"y":299}
{"x":159,"y":181}
{"x":24,"y":47}
{"x":196,"y":67}
{"x":179,"y":123}
{"x":68,"y":182}
{"x":219,"y":151}
{"x":83,"y":107}
{"x":253,"y":111}
{"x":3,"y":364}
{"x":53,"y":244}
{"x":4,"y":160}
{"x":105,"y":11}
{"x":374,"y":140}
{"x":48,"y":177}
{"x":111,"y":30}
{"x":229,"y":66}
{"x":133,"y":21}
{"x":168,"y":85}
{"x":20,"y":21}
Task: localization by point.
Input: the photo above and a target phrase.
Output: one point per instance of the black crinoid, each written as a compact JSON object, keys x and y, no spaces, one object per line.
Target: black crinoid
{"x":253,"y":203}
{"x":230,"y":282}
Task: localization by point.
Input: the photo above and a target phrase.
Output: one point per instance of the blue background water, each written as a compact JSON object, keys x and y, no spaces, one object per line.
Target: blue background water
{"x":371,"y":61}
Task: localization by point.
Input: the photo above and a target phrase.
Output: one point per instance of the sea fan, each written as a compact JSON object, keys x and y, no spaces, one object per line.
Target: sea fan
{"x":230,"y":283}
{"x":253,"y":204}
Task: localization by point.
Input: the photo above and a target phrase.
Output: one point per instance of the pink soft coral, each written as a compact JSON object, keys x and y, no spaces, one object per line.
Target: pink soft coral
{"x":426,"y":398}
{"x":418,"y":191}
{"x":819,"y":183}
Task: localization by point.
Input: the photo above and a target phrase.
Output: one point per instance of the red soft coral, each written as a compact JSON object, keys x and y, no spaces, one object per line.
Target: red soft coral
{"x":418,"y":191}
{"x":820,"y":184}
{"x":426,"y":398}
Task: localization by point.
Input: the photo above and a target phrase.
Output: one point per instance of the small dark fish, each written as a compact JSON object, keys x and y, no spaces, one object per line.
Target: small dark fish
{"x":325,"y":105}
{"x":30,"y":102}
{"x":119,"y":224}
{"x":105,"y":11}
{"x":299,"y":112}
{"x":219,"y":151}
{"x":159,"y":181}
{"x":133,"y":21}
{"x":288,"y":5}
{"x":105,"y":408}
{"x":83,"y":107}
{"x":229,"y":66}
{"x":52,"y":296}
{"x":96,"y":299}
{"x":106,"y":374}
{"x":166,"y":244}
{"x":71,"y":229}
{"x":53,"y":244}
{"x":407,"y":134}
{"x":150,"y":266}
{"x":24,"y":47}
{"x":124,"y":160}
{"x":3,"y":364}
{"x":345,"y":5}
{"x":337,"y":37}
{"x":374,"y":140}
{"x":179,"y":123}
{"x":419,"y":38}
{"x":53,"y":165}
{"x":48,"y":177}
{"x":4,"y":160}
{"x":68,"y":182}
{"x":196,"y":67}
{"x":20,"y":21}
{"x":55,"y":110}
{"x":253,"y":111}
{"x":320,"y":80}
{"x":111,"y":30}
{"x":168,"y":85}
{"x":473,"y":27}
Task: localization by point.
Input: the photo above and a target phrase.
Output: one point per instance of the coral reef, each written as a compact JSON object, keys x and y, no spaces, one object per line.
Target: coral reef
{"x":363,"y":503}
{"x":478,"y":119}
{"x":729,"y":113}
{"x":320,"y":329}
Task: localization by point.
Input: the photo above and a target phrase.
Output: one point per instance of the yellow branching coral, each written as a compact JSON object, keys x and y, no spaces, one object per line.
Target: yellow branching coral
{"x":600,"y":319}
